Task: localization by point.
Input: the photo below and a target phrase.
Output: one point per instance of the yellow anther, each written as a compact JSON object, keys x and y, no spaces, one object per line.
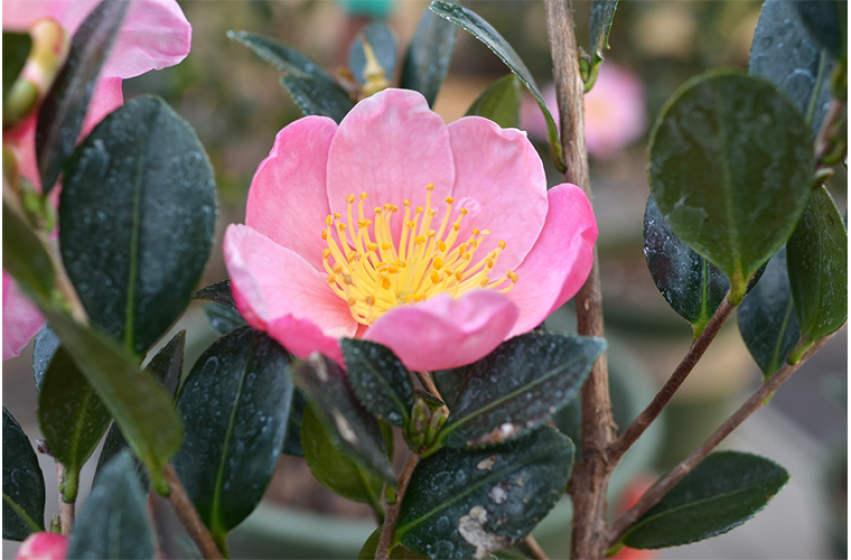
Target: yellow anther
{"x":430,"y":187}
{"x":326,"y":253}
{"x":431,"y":233}
{"x":336,"y":215}
{"x":338,"y":268}
{"x":352,"y":302}
{"x":406,"y":202}
{"x":476,"y":231}
{"x":372,"y":246}
{"x":419,"y":210}
{"x":364,"y":223}
{"x":420,"y":239}
{"x":385,"y":283}
{"x":431,"y":212}
{"x":386,"y":246}
{"x":456,"y":227}
{"x":462,"y":248}
{"x":459,"y":275}
{"x":437,"y":263}
{"x":474,"y":243}
{"x":511,"y":276}
{"x":410,"y":224}
{"x":377,"y":210}
{"x":347,"y":278}
{"x":329,"y":220}
{"x":435,"y":277}
{"x":350,"y":199}
{"x":393,"y":207}
{"x":370,"y":300}
{"x":501,"y":244}
{"x":351,"y":256}
{"x":363,"y":196}
{"x":489,"y":263}
{"x":463,"y":211}
{"x":341,"y":227}
{"x":331,"y":279}
{"x":484,"y":282}
{"x":442,"y":246}
{"x":449,"y":200}
{"x":324,"y":235}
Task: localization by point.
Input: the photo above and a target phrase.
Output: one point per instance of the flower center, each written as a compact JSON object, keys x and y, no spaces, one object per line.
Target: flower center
{"x":368,"y":269}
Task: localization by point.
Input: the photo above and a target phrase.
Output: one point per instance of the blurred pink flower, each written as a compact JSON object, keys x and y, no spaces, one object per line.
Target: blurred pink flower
{"x":485,"y":252}
{"x":155,"y":34}
{"x":43,"y":546}
{"x":614,"y":111}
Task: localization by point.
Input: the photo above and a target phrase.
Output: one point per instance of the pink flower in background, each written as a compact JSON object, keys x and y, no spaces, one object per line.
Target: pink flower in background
{"x":438,"y":241}
{"x":614,"y":111}
{"x":43,"y":546}
{"x":155,"y":34}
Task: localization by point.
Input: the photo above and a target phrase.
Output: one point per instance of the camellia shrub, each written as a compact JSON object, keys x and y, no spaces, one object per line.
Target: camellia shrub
{"x":391,"y":277}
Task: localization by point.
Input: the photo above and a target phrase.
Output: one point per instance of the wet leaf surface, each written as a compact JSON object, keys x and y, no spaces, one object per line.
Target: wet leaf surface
{"x":23,"y":483}
{"x":219,"y":292}
{"x":292,"y":445}
{"x":223,"y":319}
{"x":721,"y":493}
{"x":472,"y":23}
{"x":730,"y":168}
{"x":45,"y":347}
{"x":428,"y":56}
{"x":380,"y":381}
{"x":350,"y":426}
{"x":519,"y":385}
{"x":767,"y":319}
{"x":138,"y":213}
{"x":61,"y":115}
{"x":825,"y":20}
{"x":500,"y":102}
{"x":381,"y":41}
{"x":235,"y":405}
{"x":469,"y":503}
{"x":25,"y":257}
{"x":16,"y":49}
{"x":602,"y":14}
{"x":112,"y":523}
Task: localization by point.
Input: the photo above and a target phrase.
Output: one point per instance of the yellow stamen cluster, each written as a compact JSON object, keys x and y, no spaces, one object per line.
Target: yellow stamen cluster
{"x":373,"y":273}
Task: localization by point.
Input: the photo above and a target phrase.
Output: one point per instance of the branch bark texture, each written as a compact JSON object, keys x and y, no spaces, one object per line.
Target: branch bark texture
{"x":188,"y":515}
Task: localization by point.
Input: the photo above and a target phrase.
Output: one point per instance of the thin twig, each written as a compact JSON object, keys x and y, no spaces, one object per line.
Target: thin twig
{"x":590,"y":478}
{"x":634,"y":430}
{"x":823,"y":140}
{"x":66,"y":509}
{"x":534,"y":548}
{"x":666,"y":483}
{"x":383,"y":549}
{"x":428,"y":385}
{"x":188,"y":515}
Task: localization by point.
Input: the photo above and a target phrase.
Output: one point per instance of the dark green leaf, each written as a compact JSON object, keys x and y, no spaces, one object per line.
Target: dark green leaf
{"x":334,"y":468}
{"x":350,"y":426}
{"x":383,"y":45}
{"x":235,"y":405}
{"x":45,"y":347}
{"x":292,"y":446}
{"x":518,"y":386}
{"x":217,"y":293}
{"x":61,"y":115}
{"x":817,"y":260}
{"x":691,"y":286}
{"x":500,"y":102}
{"x":16,"y":49}
{"x":767,"y":317}
{"x":724,"y":491}
{"x":731,"y":168}
{"x":467,"y":504}
{"x":397,"y":552}
{"x":428,"y":57}
{"x":783,"y":53}
{"x":71,"y":416}
{"x":23,"y":483}
{"x":112,"y":524}
{"x":138,"y":214}
{"x":483,"y":31}
{"x":286,"y":59}
{"x":380,"y":381}
{"x":602,"y":14}
{"x":25,"y":257}
{"x":449,"y":383}
{"x":314,"y":97}
{"x":826,"y":21}
{"x":223,"y":319}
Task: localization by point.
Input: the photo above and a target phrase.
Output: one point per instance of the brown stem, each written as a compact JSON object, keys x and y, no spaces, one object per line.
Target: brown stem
{"x":66,"y":509}
{"x":666,"y":483}
{"x":823,"y":139}
{"x":534,"y":549}
{"x":428,"y":385}
{"x":383,"y":549}
{"x":634,"y":430}
{"x":590,"y":478}
{"x":188,"y":515}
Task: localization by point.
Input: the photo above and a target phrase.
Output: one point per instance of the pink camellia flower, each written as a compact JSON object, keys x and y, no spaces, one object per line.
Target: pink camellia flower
{"x":438,"y":241}
{"x":155,"y":34}
{"x":43,"y":546}
{"x":614,"y":111}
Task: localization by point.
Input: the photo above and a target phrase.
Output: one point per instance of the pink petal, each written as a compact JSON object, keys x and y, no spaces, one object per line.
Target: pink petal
{"x":106,"y":98}
{"x":391,"y":146}
{"x":21,"y":318}
{"x":560,"y":261}
{"x":43,"y":546}
{"x":19,"y":14}
{"x":269,"y":282}
{"x":302,"y":338}
{"x":442,"y":332}
{"x":500,"y":179}
{"x":287,"y":200}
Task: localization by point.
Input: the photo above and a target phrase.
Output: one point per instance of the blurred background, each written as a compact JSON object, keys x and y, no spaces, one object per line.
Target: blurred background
{"x":237,"y":105}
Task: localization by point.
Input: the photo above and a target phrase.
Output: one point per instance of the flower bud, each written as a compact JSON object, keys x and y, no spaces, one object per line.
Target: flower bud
{"x":43,"y":546}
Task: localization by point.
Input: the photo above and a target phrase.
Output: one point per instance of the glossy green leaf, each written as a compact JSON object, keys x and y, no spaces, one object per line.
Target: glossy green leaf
{"x":25,"y":257}
{"x":721,"y":493}
{"x":449,"y":383}
{"x":602,"y":14}
{"x":16,"y":49}
{"x":802,"y":72}
{"x":518,"y":386}
{"x":292,"y":445}
{"x":217,"y":293}
{"x":235,"y":405}
{"x":138,"y":214}
{"x":45,"y":347}
{"x":61,"y":115}
{"x":381,"y":41}
{"x":826,"y":20}
{"x":72,"y":418}
{"x":500,"y":102}
{"x":767,"y":317}
{"x":731,"y":169}
{"x":428,"y":57}
{"x":379,"y":379}
{"x":314,"y":97}
{"x":23,"y":483}
{"x":113,"y":524}
{"x":334,"y":468}
{"x":472,"y":23}
{"x":817,"y":260}
{"x":397,"y":552}
{"x":467,"y":504}
{"x":223,"y":319}
{"x":351,"y":427}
